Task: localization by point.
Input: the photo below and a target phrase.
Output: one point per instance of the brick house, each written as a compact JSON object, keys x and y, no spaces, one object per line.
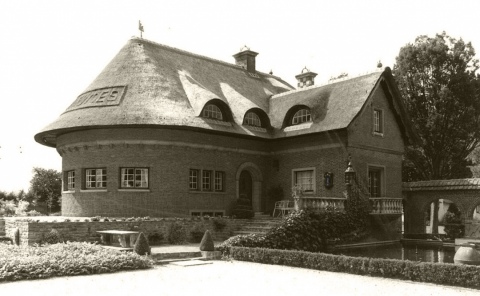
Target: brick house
{"x":164,"y":132}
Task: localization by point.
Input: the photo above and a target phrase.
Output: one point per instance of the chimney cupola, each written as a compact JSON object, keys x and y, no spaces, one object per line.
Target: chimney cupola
{"x":306,"y":78}
{"x":246,"y":59}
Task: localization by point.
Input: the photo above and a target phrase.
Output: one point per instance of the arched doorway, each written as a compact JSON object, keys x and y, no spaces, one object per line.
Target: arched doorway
{"x":245,"y":186}
{"x":249,"y":182}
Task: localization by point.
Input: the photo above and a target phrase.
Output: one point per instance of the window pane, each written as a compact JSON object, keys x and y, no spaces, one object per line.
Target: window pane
{"x":219,"y":181}
{"x":193,"y":180}
{"x":304,"y":179}
{"x":213,"y":112}
{"x":71,"y":180}
{"x":301,"y":116}
{"x":206,"y":180}
{"x":252,"y":119}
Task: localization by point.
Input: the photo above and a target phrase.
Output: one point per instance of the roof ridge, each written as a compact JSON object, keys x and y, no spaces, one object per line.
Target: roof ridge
{"x":327,"y":83}
{"x":168,"y":47}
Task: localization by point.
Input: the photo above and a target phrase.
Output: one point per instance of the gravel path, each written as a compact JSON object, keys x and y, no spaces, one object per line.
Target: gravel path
{"x":227,"y":278}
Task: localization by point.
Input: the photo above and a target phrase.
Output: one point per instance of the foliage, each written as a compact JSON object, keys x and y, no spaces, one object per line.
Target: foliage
{"x":155,"y":238}
{"x":176,"y":234}
{"x":275,"y":193}
{"x":308,"y":230}
{"x":13,"y":207}
{"x":454,"y":227}
{"x":437,"y":79}
{"x":52,"y":237}
{"x":207,"y":242}
{"x":438,"y":273}
{"x":219,"y":224}
{"x":6,"y":240}
{"x":243,"y":209}
{"x":141,"y":246}
{"x":46,"y":186}
{"x":27,"y":262}
{"x":196,"y":233}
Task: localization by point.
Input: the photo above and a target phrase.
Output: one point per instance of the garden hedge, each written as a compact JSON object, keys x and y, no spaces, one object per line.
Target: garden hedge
{"x":64,"y":259}
{"x":438,"y":273}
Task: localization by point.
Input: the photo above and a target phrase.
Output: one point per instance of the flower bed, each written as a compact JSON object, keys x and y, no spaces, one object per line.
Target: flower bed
{"x":27,"y":262}
{"x":438,"y":273}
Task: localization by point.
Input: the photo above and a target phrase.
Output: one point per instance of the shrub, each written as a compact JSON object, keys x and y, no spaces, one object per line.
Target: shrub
{"x":243,"y":209}
{"x":34,"y":213}
{"x":219,"y":224}
{"x":155,"y":238}
{"x":141,"y":245}
{"x":309,"y":231}
{"x":53,"y":237}
{"x":196,"y":233}
{"x":27,"y":262}
{"x":6,"y":240}
{"x":176,"y":234}
{"x":438,"y":273}
{"x":207,"y":242}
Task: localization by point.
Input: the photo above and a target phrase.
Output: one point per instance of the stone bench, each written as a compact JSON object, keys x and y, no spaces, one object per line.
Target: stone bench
{"x":118,"y":239}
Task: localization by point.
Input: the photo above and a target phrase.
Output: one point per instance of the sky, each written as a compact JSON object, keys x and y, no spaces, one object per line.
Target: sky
{"x":50,"y":51}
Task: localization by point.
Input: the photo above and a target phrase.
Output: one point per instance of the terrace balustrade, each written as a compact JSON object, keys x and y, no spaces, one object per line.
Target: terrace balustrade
{"x":380,"y":205}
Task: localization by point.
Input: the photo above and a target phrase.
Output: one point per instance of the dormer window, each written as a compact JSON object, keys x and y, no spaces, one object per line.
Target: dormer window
{"x":301,"y":116}
{"x":213,"y":112}
{"x":252,"y":119}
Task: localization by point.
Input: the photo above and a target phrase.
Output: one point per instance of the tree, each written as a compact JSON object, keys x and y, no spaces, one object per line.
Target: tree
{"x":46,"y":186}
{"x":437,"y":78}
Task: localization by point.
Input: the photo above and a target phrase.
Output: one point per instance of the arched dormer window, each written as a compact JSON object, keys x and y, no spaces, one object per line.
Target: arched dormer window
{"x":301,"y":116}
{"x":252,"y":119}
{"x":213,"y":112}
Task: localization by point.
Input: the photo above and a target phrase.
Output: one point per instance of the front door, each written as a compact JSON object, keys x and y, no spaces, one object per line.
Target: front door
{"x":245,"y":186}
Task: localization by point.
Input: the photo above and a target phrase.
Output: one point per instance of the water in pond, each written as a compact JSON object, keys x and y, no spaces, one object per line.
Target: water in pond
{"x":397,"y":251}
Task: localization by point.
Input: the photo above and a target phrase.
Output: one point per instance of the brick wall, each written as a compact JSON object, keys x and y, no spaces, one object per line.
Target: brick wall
{"x":34,"y":232}
{"x":417,"y":202}
{"x":168,"y":163}
{"x":324,"y":153}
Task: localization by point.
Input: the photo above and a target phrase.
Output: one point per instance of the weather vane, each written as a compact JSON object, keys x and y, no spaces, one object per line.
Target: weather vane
{"x":140,"y":28}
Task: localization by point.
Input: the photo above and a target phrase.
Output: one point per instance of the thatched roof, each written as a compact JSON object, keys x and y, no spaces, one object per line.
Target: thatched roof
{"x":149,"y":84}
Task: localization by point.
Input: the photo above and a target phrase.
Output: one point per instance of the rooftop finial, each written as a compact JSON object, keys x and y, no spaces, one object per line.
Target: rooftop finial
{"x":140,"y":28}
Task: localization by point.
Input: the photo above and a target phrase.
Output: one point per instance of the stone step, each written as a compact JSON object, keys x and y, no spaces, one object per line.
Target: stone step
{"x":171,"y":260}
{"x":176,"y":255}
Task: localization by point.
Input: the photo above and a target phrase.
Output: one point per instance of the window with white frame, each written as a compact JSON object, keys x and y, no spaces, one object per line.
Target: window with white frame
{"x":377,"y":121}
{"x":193,"y":180}
{"x":375,"y":181}
{"x":206,"y":180}
{"x":219,"y":177}
{"x":301,"y":116}
{"x":70,"y":180}
{"x":252,"y":119}
{"x":134,"y":178}
{"x":213,"y":112}
{"x":305,"y":179}
{"x":95,"y":178}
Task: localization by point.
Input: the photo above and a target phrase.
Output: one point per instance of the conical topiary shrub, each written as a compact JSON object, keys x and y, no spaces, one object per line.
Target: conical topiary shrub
{"x":141,"y":245}
{"x":207,"y":242}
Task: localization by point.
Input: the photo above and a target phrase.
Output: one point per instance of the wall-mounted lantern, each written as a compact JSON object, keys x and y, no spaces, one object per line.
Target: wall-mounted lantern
{"x":328,"y":180}
{"x":349,"y":174}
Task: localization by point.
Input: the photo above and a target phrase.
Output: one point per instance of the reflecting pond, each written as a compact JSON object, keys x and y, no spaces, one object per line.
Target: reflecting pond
{"x":398,"y":251}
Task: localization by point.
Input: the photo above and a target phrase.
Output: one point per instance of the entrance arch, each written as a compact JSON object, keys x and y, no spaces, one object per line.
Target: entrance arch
{"x":249,"y":181}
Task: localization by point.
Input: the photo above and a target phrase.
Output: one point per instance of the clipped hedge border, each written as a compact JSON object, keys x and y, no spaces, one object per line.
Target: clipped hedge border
{"x":67,"y":259}
{"x":438,"y":273}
